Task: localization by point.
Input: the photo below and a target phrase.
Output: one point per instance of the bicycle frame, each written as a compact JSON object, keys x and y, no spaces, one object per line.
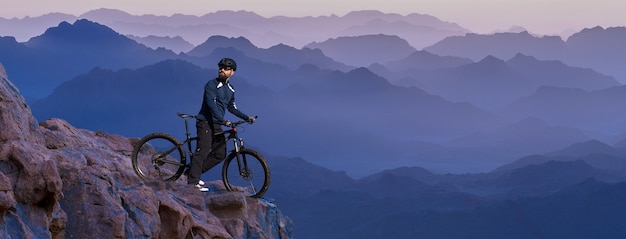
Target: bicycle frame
{"x":230,"y":134}
{"x":238,"y":143}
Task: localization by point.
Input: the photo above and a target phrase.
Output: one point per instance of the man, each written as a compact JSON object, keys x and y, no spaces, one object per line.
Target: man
{"x":219,"y":96}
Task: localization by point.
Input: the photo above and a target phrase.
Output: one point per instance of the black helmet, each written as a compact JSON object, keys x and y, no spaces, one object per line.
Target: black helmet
{"x":227,"y":62}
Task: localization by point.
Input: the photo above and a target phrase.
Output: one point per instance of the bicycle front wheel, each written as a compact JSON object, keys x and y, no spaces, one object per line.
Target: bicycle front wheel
{"x":246,"y":171}
{"x":159,"y":156}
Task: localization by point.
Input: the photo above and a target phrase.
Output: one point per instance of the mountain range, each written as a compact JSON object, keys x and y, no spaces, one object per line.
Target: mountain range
{"x":490,"y":83}
{"x":339,"y":99}
{"x":372,"y":151}
{"x":68,"y":50}
{"x":407,"y":202}
{"x":420,"y":30}
{"x":602,"y":49}
{"x":350,"y":49}
{"x":592,"y":110}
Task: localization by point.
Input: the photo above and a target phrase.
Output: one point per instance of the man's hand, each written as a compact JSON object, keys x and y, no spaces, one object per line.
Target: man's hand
{"x":226,"y":122}
{"x":251,"y":119}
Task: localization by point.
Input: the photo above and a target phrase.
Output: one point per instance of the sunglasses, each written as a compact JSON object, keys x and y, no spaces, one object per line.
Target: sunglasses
{"x":226,"y":68}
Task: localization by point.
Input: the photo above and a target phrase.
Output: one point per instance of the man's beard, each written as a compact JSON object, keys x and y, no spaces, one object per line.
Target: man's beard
{"x":222,"y":77}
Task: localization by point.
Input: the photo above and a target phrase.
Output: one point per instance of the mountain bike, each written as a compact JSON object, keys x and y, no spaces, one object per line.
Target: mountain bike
{"x":161,"y":155}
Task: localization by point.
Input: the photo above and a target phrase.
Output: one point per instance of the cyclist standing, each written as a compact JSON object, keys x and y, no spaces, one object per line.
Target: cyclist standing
{"x":219,"y":96}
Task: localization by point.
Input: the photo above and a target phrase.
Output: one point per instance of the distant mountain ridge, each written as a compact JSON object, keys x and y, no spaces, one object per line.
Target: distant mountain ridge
{"x":597,"y":110}
{"x":67,"y":50}
{"x":423,"y":60}
{"x":85,"y":45}
{"x":530,"y":136}
{"x":280,"y":54}
{"x":526,"y":195}
{"x":500,"y":45}
{"x":598,"y":48}
{"x":292,"y":31}
{"x":492,"y":83}
{"x":28,"y":27}
{"x":176,"y":44}
{"x":593,"y":152}
{"x":360,"y":51}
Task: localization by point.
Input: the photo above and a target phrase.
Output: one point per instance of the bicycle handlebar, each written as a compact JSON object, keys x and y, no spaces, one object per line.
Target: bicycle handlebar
{"x":232,"y":124}
{"x":236,"y":123}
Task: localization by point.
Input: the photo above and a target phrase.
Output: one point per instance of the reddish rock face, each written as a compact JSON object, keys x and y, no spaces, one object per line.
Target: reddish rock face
{"x":57,"y":181}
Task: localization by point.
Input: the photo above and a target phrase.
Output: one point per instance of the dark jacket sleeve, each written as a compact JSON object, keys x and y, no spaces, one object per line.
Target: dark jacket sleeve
{"x":232,"y":108}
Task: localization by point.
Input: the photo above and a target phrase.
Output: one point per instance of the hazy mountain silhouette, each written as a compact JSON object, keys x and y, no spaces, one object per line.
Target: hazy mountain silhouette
{"x":419,"y":29}
{"x":589,"y":148}
{"x":418,"y":65}
{"x":392,"y":185}
{"x":529,"y":136}
{"x":557,"y":73}
{"x":176,"y":44}
{"x":303,"y":177}
{"x":601,"y":49}
{"x":500,"y":45}
{"x":62,"y":52}
{"x":513,"y":29}
{"x":593,"y":152}
{"x":546,"y":177}
{"x":83,"y":34}
{"x":493,"y":83}
{"x":598,"y":110}
{"x":125,"y":100}
{"x":72,"y":49}
{"x":546,"y":217}
{"x":25,"y":28}
{"x":532,"y":195}
{"x":364,"y":50}
{"x":423,"y":60}
{"x":597,"y":48}
{"x":194,"y":29}
{"x":278,"y":54}
{"x":416,"y":173}
{"x":214,"y":42}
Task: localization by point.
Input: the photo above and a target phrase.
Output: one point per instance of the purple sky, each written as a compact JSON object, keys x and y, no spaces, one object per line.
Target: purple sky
{"x":551,"y":17}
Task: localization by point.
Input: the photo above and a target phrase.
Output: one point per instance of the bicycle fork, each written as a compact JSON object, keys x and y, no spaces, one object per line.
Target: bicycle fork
{"x":242,"y":163}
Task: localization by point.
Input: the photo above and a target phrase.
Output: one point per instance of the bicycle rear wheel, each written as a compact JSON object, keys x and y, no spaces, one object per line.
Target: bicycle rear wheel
{"x":254,"y":176}
{"x":159,"y":156}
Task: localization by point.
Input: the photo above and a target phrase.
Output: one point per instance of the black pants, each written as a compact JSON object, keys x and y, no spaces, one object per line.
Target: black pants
{"x":209,"y":134}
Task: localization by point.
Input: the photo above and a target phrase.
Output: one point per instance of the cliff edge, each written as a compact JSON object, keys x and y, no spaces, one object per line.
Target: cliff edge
{"x":57,"y":181}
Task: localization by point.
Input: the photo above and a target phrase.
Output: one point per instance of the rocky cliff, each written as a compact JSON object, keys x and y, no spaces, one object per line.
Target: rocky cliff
{"x":57,"y":181}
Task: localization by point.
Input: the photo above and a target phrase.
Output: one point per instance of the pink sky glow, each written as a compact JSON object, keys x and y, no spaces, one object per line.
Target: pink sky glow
{"x":550,"y":17}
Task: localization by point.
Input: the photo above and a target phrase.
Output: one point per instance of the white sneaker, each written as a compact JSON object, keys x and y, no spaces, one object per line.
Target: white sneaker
{"x":201,"y":188}
{"x":200,"y":182}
